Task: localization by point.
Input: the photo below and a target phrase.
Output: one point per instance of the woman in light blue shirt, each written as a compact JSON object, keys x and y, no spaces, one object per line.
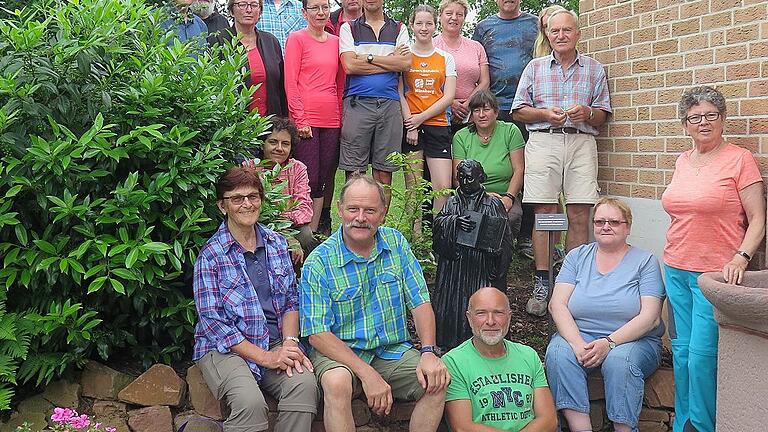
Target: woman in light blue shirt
{"x":607,"y":307}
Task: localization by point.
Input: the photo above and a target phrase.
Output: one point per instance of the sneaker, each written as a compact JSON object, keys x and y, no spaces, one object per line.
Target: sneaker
{"x":525,"y":247}
{"x":558,"y":255}
{"x":537,"y":304}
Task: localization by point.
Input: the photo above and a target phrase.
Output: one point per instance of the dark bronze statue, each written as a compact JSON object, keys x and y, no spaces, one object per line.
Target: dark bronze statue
{"x":473,"y":241}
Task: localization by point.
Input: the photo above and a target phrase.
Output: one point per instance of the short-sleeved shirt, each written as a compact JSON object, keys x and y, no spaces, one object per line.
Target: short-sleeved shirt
{"x":509,"y":46}
{"x":281,"y":22}
{"x":469,"y":57}
{"x":603,"y":302}
{"x":358,"y":37}
{"x":425,"y":82}
{"x":228,"y":308}
{"x":708,"y":217}
{"x":501,"y":390}
{"x":544,"y":84}
{"x":363,"y":301}
{"x":494,"y":156}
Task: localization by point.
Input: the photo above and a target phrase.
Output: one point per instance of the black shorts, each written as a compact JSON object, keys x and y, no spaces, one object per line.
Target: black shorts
{"x":435,"y":141}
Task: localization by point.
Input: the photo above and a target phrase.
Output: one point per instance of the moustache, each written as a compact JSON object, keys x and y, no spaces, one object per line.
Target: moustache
{"x":358,"y":225}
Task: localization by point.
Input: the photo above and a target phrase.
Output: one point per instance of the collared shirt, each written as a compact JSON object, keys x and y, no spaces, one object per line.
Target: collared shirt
{"x":363,"y":301}
{"x":545,"y":84}
{"x":358,"y":37}
{"x":281,"y":22}
{"x":229,"y":311}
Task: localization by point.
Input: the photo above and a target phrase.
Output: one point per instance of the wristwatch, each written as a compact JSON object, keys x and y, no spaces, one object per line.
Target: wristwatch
{"x":611,"y":343}
{"x":427,"y":349}
{"x":369,"y":59}
{"x":745,"y":255}
{"x":510,"y":196}
{"x":591,"y":113}
{"x":292,"y":339}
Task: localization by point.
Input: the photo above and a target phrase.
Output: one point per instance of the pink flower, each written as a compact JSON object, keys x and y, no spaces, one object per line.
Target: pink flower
{"x":98,"y":426}
{"x":61,"y":415}
{"x":81,"y":422}
{"x":110,"y":429}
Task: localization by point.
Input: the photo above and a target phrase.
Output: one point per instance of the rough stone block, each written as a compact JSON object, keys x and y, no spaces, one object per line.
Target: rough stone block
{"x":660,"y":389}
{"x":654,"y":415}
{"x":196,"y":423}
{"x":35,"y":410}
{"x":151,"y":419}
{"x":110,"y":408}
{"x":203,"y":401}
{"x":63,"y":393}
{"x":102,"y":382}
{"x":360,"y":412}
{"x":159,"y":385}
{"x":649,"y":426}
{"x":597,"y":415}
{"x":595,"y":387}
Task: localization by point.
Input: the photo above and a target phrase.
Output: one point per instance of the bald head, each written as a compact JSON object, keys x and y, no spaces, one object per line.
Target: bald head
{"x":488,"y":297}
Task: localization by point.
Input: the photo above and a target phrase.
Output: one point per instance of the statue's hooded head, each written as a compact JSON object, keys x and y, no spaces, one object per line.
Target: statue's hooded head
{"x":471,"y":176}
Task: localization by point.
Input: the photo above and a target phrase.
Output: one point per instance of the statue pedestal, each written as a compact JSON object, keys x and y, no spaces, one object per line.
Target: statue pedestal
{"x":742,"y":382}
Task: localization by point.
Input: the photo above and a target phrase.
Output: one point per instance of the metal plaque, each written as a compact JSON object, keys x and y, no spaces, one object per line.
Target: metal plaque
{"x":551,"y":222}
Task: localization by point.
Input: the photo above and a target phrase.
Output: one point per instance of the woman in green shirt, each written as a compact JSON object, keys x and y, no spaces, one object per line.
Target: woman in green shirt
{"x":498,"y":146}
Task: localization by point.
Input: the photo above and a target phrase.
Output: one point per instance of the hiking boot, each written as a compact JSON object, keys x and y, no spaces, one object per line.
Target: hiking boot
{"x":324,"y":226}
{"x":537,"y":304}
{"x":525,"y":248}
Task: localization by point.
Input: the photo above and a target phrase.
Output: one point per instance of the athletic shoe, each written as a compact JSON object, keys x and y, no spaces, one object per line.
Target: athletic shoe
{"x":525,"y":247}
{"x":537,"y":304}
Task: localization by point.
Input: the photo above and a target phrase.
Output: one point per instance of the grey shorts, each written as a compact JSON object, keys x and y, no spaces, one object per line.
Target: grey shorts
{"x":372,"y":128}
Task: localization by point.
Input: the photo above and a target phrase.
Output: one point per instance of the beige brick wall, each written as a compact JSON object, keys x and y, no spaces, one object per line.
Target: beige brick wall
{"x":653,"y":50}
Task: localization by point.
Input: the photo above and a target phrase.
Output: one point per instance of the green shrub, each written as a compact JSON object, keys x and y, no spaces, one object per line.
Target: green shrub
{"x":110,"y":142}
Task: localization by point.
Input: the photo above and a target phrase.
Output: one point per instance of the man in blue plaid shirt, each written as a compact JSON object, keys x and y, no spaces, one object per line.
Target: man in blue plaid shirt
{"x":281,"y":17}
{"x":355,"y":291}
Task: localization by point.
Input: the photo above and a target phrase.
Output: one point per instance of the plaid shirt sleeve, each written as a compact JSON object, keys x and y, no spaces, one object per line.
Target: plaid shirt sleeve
{"x":210,"y":310}
{"x":524,"y":94}
{"x":416,"y":287}
{"x":316,"y":315}
{"x":600,"y":97}
{"x":298,"y":182}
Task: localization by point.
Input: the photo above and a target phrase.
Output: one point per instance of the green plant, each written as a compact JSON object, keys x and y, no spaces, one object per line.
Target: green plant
{"x":405,"y":211}
{"x":112,"y":136}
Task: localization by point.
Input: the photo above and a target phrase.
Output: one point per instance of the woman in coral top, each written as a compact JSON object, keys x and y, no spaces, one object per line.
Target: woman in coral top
{"x":314,"y":83}
{"x":717,"y":207}
{"x":427,"y":90}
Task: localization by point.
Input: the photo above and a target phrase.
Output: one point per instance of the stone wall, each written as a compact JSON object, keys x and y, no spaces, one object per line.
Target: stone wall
{"x":653,"y":50}
{"x":161,"y":401}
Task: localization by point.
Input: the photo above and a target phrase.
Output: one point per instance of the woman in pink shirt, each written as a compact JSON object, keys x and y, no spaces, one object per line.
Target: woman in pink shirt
{"x":277,"y":150}
{"x":717,"y":209}
{"x":314,"y":86}
{"x":469,"y":55}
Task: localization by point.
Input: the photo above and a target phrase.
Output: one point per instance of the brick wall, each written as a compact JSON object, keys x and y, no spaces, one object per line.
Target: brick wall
{"x":653,"y":50}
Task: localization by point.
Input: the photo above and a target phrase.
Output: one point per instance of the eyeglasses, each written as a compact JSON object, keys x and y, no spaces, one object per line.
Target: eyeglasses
{"x":316,"y":9}
{"x":696,"y":118}
{"x":240,"y":199}
{"x":612,"y":222}
{"x":246,"y":5}
{"x":482,"y":110}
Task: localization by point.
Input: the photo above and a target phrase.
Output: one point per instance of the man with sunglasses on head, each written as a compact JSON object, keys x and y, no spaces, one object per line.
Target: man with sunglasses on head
{"x":563,"y":99}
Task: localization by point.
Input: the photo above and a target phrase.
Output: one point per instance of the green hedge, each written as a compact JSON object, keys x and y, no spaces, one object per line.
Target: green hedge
{"x":111,"y":138}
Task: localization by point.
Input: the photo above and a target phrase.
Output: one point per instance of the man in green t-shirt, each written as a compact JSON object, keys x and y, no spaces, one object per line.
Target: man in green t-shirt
{"x":496,"y":385}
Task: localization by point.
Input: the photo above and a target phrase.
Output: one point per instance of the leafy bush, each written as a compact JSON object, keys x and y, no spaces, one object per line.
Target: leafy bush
{"x":111,"y":139}
{"x":405,"y":210}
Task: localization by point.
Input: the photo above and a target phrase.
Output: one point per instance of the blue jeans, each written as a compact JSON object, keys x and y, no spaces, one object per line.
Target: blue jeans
{"x":694,"y":350}
{"x":624,"y":372}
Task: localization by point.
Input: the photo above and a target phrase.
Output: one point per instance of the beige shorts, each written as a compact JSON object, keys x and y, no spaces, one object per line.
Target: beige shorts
{"x":556,"y":162}
{"x":399,"y":374}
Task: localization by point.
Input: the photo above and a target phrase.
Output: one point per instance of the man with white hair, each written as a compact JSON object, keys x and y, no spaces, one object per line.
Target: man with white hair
{"x":206,"y":9}
{"x":505,"y":388}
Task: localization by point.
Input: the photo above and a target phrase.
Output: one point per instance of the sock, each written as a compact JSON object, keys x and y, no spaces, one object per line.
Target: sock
{"x":543,"y":274}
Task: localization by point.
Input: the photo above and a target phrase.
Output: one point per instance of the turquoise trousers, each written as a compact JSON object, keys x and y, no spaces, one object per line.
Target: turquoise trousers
{"x":694,"y":336}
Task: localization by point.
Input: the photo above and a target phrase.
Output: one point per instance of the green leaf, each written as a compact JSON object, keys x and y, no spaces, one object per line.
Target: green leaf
{"x":130,"y":260}
{"x":123,"y":273}
{"x":156,"y":246}
{"x":117,"y":286}
{"x":13,"y":191}
{"x":21,"y":234}
{"x":94,"y":270}
{"x":96,"y":284}
{"x":45,"y":246}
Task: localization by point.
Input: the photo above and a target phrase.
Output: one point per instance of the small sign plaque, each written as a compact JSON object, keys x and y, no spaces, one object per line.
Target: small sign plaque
{"x":552,"y":222}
